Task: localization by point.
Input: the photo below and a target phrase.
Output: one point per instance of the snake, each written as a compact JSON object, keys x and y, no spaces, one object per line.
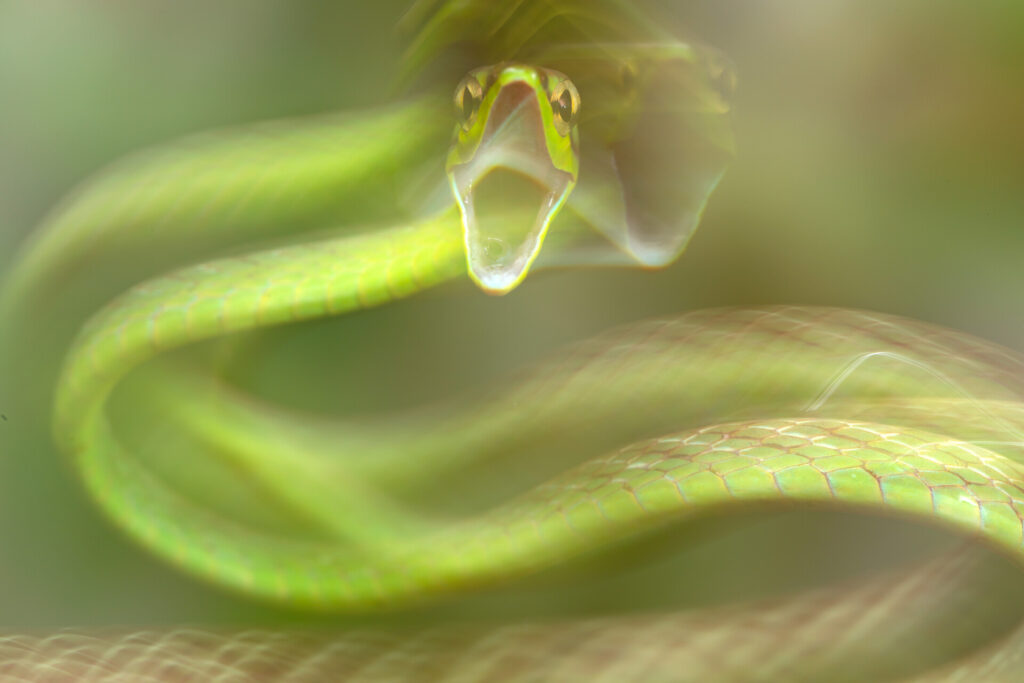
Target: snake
{"x":607,"y":452}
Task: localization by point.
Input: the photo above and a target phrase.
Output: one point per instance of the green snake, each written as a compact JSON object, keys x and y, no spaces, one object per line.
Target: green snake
{"x":614,"y":446}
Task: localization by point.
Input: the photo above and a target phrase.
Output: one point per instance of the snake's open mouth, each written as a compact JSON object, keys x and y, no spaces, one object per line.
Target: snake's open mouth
{"x":524,"y":190}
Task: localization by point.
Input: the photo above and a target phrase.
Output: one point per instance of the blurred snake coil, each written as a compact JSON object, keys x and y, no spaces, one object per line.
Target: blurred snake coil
{"x":603,"y":457}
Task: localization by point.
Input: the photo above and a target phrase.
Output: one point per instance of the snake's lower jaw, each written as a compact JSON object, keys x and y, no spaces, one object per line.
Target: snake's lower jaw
{"x":505,"y":232}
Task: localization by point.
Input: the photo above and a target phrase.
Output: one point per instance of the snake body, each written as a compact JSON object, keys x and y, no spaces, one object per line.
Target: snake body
{"x":624,"y":438}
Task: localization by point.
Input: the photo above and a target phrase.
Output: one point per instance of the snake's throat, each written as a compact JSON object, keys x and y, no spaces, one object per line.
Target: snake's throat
{"x":504,"y":234}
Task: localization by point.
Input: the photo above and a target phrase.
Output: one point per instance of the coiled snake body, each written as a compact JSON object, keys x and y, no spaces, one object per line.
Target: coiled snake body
{"x":628,"y":437}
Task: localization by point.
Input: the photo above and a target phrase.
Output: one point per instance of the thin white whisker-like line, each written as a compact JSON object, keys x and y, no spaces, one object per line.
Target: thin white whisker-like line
{"x":854,"y":364}
{"x":507,"y":121}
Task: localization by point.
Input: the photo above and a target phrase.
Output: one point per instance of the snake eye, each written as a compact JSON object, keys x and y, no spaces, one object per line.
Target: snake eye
{"x":723,"y":80}
{"x":468,"y":96}
{"x":628,"y":76}
{"x":565,"y":106}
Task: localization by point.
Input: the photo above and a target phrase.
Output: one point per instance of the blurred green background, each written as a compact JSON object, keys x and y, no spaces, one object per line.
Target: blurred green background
{"x":881,"y":166}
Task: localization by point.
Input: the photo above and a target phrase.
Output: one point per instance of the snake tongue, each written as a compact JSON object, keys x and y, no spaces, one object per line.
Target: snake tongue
{"x":508,"y":192}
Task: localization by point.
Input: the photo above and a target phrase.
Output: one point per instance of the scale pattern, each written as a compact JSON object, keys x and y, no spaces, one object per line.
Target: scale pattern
{"x":675,"y":646}
{"x":643,"y":427}
{"x":685,"y":370}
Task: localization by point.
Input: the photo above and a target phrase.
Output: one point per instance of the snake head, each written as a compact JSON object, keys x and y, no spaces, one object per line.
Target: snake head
{"x":656,"y":139}
{"x":512,"y":165}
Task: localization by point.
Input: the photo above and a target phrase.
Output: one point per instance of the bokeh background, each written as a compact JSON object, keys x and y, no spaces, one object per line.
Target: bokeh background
{"x":881,"y":166}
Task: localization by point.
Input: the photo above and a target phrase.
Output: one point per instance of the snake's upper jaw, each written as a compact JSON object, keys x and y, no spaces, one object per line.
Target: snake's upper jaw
{"x":509,"y":192}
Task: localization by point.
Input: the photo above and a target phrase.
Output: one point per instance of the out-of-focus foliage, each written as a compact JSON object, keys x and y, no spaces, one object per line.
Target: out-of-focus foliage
{"x":880,"y":163}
